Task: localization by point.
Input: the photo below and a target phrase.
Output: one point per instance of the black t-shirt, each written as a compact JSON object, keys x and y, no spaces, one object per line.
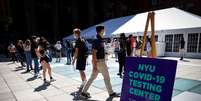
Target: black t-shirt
{"x":33,"y":47}
{"x":98,"y":45}
{"x":79,"y":44}
{"x":128,"y":47}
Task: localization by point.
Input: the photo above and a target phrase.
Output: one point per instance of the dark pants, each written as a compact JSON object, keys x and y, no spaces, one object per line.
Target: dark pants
{"x":20,"y":58}
{"x":68,"y":54}
{"x":36,"y":66}
{"x":28,"y":59}
{"x":121,"y":58}
{"x":13,"y":57}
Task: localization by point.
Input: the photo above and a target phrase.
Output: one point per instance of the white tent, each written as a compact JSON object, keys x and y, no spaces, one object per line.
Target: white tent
{"x":165,"y":19}
{"x":110,"y":26}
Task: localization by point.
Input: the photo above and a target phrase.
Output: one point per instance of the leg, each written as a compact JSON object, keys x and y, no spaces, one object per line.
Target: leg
{"x":89,"y":82}
{"x":44,"y":70}
{"x":102,"y":67}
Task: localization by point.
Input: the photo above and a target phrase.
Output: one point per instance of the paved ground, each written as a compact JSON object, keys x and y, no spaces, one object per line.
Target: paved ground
{"x":16,"y":85}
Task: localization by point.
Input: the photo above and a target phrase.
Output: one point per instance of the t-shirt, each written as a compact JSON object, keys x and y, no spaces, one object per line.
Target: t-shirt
{"x":33,"y":47}
{"x":58,"y":47}
{"x":98,"y":45}
{"x":79,"y":44}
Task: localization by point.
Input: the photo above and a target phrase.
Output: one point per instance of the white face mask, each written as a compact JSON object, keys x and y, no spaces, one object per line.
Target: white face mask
{"x":75,"y":37}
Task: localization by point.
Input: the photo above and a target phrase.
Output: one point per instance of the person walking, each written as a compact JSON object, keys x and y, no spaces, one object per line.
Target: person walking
{"x":182,"y":48}
{"x":27,"y":51}
{"x":44,"y":59}
{"x":80,"y":55}
{"x":99,"y":64}
{"x":122,"y":53}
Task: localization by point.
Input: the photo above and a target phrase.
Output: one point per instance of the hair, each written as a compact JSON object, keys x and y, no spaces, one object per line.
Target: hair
{"x":28,"y":42}
{"x":130,"y":36}
{"x":99,"y":28}
{"x":122,"y":36}
{"x":77,"y":31}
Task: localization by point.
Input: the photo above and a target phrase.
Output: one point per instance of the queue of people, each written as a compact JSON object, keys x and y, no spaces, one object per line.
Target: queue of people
{"x":37,"y":49}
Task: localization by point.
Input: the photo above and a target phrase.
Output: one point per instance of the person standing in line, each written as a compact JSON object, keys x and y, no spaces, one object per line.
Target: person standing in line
{"x":58,"y":51}
{"x":133,"y":44}
{"x":12,"y":50}
{"x":116,"y":49}
{"x":122,"y":53}
{"x":27,"y":50}
{"x":148,"y":48}
{"x":138,"y":46}
{"x":68,"y":52}
{"x":80,"y":56}
{"x":99,"y":64}
{"x":182,"y":48}
{"x":20,"y":52}
{"x":129,"y":46}
{"x":34,"y":54}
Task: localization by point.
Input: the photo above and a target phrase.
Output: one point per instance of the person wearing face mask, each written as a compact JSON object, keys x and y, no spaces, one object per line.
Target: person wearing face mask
{"x":99,"y":64}
{"x":80,"y":56}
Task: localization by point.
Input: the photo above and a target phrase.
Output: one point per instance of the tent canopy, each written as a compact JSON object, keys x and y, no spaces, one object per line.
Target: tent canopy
{"x":110,"y":27}
{"x":165,"y":19}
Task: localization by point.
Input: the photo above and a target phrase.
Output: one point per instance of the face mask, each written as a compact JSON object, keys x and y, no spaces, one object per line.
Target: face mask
{"x":75,"y":37}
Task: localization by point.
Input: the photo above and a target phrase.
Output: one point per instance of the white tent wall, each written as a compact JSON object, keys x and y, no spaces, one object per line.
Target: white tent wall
{"x":185,"y":33}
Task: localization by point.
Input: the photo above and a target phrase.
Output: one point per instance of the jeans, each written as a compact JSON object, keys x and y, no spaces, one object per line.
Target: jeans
{"x":69,"y":52}
{"x":28,"y":59}
{"x":36,"y":66}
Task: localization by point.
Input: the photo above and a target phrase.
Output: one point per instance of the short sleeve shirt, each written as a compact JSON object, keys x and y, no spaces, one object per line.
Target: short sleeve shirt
{"x":79,"y":45}
{"x":98,"y":45}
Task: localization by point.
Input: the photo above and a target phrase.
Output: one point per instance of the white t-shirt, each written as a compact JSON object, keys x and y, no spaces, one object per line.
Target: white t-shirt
{"x":58,"y":46}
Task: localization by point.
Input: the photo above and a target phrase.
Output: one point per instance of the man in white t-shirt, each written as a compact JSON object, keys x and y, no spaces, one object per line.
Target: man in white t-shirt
{"x":58,"y":51}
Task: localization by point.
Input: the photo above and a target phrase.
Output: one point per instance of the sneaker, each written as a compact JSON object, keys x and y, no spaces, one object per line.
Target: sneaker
{"x":52,"y":80}
{"x":114,"y":95}
{"x":44,"y":80}
{"x":85,"y":95}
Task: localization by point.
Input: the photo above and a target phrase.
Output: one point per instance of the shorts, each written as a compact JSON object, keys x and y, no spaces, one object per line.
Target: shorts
{"x":45,"y":58}
{"x":81,"y":64}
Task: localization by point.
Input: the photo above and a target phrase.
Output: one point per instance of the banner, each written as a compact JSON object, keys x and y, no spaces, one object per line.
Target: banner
{"x":148,"y":79}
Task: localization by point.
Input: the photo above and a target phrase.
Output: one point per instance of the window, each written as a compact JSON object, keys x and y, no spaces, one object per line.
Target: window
{"x":192,"y":42}
{"x":177,"y":38}
{"x":199,"y":44}
{"x":168,"y":40}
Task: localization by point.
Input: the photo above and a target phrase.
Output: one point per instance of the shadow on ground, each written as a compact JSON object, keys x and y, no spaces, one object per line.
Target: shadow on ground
{"x":31,"y":79}
{"x":42,"y":87}
{"x":18,"y":68}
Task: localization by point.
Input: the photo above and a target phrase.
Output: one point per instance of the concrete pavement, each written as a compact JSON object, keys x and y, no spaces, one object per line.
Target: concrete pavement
{"x":16,"y":85}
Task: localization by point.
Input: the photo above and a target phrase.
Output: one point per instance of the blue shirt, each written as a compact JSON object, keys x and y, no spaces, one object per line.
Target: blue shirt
{"x":98,"y":45}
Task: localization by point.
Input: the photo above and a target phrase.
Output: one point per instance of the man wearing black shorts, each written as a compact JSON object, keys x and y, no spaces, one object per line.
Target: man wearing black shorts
{"x":79,"y":56}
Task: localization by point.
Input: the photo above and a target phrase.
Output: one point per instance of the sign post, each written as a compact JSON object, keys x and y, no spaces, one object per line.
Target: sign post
{"x":148,"y":79}
{"x":150,"y":17}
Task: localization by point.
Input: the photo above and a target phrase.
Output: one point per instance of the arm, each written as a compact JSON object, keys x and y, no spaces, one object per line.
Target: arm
{"x":75,"y":55}
{"x":94,"y":60}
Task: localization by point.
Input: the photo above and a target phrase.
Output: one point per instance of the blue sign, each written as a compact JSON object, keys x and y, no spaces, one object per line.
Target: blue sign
{"x":148,"y":79}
